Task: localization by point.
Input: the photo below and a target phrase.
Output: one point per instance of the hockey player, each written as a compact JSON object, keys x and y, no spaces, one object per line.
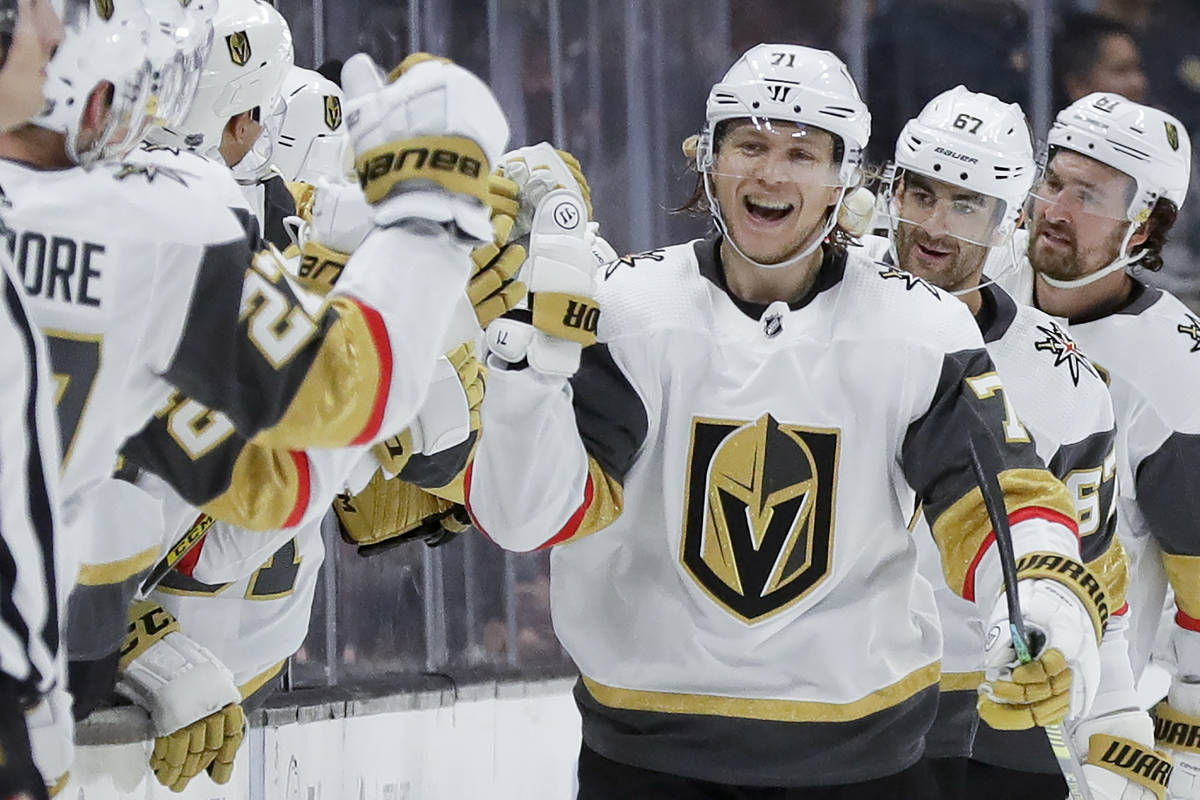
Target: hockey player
{"x":238,"y":110}
{"x":109,"y":255}
{"x":751,"y":430}
{"x":311,"y":142}
{"x":30,"y":578}
{"x":962,"y":171}
{"x":1116,"y":174}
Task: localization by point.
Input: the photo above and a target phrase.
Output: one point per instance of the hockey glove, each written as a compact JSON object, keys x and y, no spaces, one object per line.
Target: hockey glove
{"x":1120,"y":762}
{"x":336,"y":220}
{"x":426,"y":139}
{"x":390,"y":511}
{"x":190,"y":695}
{"x":538,"y":170}
{"x":1064,"y":676}
{"x":52,"y":738}
{"x":1177,"y":731}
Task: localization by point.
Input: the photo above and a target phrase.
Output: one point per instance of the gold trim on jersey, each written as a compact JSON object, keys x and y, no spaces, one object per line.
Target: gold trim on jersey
{"x":112,"y":572}
{"x":759,"y":507}
{"x":608,"y":500}
{"x":961,"y":529}
{"x":1184,"y":574}
{"x":338,"y":394}
{"x":960,"y":681}
{"x":262,"y":492}
{"x":1112,"y":568}
{"x":766,"y":709}
{"x":261,"y":679}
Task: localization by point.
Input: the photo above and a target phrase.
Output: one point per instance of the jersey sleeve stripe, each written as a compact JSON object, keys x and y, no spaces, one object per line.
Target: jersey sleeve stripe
{"x":303,"y":489}
{"x":603,"y":500}
{"x":963,"y":531}
{"x":1186,"y":622}
{"x":383,"y":347}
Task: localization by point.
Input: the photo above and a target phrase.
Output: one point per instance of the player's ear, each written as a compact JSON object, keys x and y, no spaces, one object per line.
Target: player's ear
{"x":98,"y":104}
{"x":242,"y":127}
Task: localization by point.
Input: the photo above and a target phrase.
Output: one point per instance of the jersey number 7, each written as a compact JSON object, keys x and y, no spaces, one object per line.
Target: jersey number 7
{"x":75,"y":360}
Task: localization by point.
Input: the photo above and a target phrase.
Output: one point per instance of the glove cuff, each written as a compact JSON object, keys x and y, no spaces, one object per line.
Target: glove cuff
{"x":1176,"y":730}
{"x":456,"y":163}
{"x":1075,"y":576}
{"x":1133,"y":761}
{"x":320,"y":267}
{"x":568,"y":316}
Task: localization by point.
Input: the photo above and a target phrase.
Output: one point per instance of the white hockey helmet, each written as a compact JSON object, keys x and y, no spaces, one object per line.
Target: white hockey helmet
{"x":105,"y":40}
{"x":974,"y":141}
{"x":790,"y":83}
{"x":787,"y":83}
{"x":1148,"y":145}
{"x":250,"y":55}
{"x":313,"y":141}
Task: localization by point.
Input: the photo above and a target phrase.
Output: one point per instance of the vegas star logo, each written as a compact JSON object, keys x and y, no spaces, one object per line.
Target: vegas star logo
{"x":1192,"y":329}
{"x":631,"y":261}
{"x":910,"y":281}
{"x":1065,"y":351}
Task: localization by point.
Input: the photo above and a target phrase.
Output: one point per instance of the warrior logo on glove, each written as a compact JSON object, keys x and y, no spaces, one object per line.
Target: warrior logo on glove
{"x":758,"y":516}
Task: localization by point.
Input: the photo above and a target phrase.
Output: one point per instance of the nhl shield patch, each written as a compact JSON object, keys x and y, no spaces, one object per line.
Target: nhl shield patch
{"x":1172,"y":134}
{"x":759,"y":512}
{"x":105,"y":9}
{"x":239,"y":47}
{"x":333,"y":112}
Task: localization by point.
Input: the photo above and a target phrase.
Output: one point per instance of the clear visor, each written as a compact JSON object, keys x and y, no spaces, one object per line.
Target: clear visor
{"x":1094,"y":195}
{"x":257,"y":163}
{"x":943,"y":209}
{"x":775,"y":153}
{"x":326,"y":158}
{"x":131,"y":115}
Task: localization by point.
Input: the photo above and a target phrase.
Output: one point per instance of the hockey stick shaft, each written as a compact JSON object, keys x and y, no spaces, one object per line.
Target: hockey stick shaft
{"x":993,"y":499}
{"x":186,"y":543}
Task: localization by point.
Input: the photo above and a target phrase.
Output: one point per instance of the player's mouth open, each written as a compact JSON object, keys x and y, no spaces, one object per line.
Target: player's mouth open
{"x":931,"y":252}
{"x":767,"y":210}
{"x":1055,"y":237}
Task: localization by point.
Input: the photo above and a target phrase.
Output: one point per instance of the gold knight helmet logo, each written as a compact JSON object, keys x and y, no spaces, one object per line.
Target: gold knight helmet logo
{"x":105,"y":9}
{"x":333,"y":112}
{"x":239,"y":47}
{"x":758,"y":516}
{"x":1172,"y":135}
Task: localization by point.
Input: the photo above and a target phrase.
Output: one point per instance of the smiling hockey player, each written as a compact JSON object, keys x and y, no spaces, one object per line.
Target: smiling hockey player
{"x":752,"y":429}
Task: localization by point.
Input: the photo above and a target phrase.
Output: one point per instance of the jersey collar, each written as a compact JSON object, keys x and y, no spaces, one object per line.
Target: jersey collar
{"x":708,"y":257}
{"x":996,"y":314}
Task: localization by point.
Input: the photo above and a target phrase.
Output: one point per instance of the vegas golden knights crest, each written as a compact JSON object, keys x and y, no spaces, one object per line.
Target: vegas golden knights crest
{"x":1172,"y":135}
{"x":239,"y":47}
{"x":105,"y":9}
{"x":333,"y":112}
{"x":758,"y":515}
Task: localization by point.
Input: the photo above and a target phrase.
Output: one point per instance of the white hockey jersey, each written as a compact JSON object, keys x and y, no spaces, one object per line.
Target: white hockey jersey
{"x":251,"y":610}
{"x":751,"y":612}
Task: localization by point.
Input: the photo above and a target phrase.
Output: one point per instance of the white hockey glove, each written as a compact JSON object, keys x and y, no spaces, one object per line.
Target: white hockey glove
{"x":1177,"y":731}
{"x":52,"y":738}
{"x":1064,"y":676}
{"x":538,"y":170}
{"x":190,"y":695}
{"x":426,"y":139}
{"x":336,"y":220}
{"x":1120,"y":762}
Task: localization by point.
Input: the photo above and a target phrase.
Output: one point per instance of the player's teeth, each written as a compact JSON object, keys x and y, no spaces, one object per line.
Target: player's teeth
{"x":773,"y":206}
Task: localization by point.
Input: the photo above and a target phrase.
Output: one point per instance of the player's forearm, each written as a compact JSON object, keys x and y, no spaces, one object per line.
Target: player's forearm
{"x":374,"y":367}
{"x":530,"y":475}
